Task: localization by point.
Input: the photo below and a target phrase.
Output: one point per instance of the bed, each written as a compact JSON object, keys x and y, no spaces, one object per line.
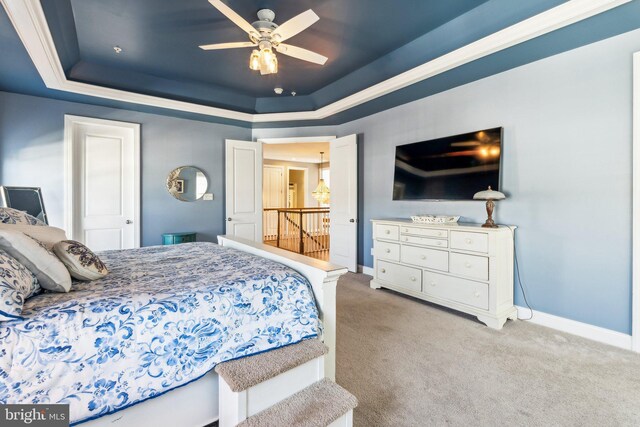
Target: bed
{"x":120,"y":349}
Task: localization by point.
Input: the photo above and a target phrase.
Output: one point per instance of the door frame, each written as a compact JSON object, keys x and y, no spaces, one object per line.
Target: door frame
{"x":293,"y":140}
{"x":70,"y":123}
{"x":635,"y":185}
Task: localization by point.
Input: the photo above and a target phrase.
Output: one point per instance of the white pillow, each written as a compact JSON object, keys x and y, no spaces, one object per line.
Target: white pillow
{"x":50,"y":272}
{"x":47,"y":235}
{"x":81,"y":262}
{"x":16,"y":285}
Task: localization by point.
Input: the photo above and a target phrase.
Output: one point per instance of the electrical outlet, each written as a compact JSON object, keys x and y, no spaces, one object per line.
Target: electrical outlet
{"x":207,"y":196}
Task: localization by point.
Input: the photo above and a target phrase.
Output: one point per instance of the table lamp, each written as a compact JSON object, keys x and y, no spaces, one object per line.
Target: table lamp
{"x":489,"y":195}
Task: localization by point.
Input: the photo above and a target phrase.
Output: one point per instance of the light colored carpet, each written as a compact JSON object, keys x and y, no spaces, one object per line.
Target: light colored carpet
{"x":240,"y":374}
{"x":410,"y":363}
{"x":318,"y":405}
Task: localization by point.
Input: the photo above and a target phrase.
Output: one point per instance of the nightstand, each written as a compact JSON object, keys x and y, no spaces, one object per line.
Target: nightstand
{"x":175,"y":238}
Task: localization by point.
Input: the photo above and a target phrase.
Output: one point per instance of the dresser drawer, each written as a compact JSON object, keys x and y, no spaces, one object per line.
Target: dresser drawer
{"x":177,"y":238}
{"x":387,"y":232}
{"x":429,"y":232}
{"x":386,"y":250}
{"x":400,"y":275}
{"x":427,"y":241}
{"x":428,"y":258}
{"x":455,"y":289}
{"x":474,"y":242}
{"x":475,"y":267}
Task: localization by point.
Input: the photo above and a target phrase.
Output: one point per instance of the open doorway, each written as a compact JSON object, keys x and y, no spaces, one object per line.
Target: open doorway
{"x":295,"y":217}
{"x":246,"y":211}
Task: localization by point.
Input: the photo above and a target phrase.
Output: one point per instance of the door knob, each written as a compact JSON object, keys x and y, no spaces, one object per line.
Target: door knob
{"x":352,"y":220}
{"x":129,"y":221}
{"x":229,"y":219}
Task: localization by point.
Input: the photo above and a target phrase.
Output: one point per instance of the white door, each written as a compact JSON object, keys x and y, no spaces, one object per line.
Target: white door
{"x":102,"y":174}
{"x":243,"y":160}
{"x":343,"y":229}
{"x":272,"y":199}
{"x":273,"y":190}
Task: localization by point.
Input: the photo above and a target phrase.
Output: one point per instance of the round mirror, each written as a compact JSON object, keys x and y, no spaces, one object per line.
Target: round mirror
{"x":187,"y":183}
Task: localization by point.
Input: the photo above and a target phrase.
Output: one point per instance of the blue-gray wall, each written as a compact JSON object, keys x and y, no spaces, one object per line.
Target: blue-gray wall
{"x":31,"y":153}
{"x":566,"y":171}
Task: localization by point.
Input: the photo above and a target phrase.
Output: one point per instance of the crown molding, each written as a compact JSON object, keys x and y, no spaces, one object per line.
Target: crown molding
{"x":30,"y":22}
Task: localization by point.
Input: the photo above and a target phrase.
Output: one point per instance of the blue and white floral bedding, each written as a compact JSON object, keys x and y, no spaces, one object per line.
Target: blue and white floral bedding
{"x":164,"y":316}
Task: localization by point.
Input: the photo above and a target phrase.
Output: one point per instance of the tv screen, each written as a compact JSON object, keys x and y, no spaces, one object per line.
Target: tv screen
{"x":451,"y":168}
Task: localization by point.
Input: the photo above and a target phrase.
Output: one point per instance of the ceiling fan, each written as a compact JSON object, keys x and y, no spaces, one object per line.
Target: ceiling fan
{"x":266,"y":35}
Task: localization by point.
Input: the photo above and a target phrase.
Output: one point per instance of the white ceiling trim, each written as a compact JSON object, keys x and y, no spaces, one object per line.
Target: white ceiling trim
{"x":29,"y":21}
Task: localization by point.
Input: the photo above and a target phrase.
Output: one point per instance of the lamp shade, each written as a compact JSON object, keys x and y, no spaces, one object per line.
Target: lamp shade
{"x":489,"y":194}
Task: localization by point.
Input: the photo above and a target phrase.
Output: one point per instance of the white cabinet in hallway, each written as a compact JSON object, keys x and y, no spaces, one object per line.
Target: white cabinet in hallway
{"x":461,"y":266}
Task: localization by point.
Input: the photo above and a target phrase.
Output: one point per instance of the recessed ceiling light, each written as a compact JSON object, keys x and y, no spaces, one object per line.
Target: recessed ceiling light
{"x":117,"y":49}
{"x":278,"y":90}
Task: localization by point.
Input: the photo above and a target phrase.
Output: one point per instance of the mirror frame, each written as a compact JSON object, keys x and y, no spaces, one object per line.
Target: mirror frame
{"x":173,"y":181}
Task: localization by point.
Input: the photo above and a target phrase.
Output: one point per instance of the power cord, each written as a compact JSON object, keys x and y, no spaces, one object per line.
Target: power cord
{"x":515,"y":256}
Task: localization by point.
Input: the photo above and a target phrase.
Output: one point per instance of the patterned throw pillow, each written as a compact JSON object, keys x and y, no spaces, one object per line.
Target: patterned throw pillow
{"x":50,"y":272}
{"x":16,"y":285}
{"x":81,"y":262}
{"x":14,"y":216}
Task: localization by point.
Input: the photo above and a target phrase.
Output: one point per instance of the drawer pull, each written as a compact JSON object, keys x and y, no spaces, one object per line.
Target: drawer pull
{"x":433,"y":284}
{"x":382,"y":270}
{"x":439,"y":233}
{"x":467,"y":264}
{"x":477,"y":294}
{"x":423,"y":257}
{"x":413,"y":278}
{"x":439,"y":243}
{"x":387,"y":231}
{"x":406,"y":230}
{"x":468,"y":241}
{"x":406,"y":239}
{"x":387,"y":250}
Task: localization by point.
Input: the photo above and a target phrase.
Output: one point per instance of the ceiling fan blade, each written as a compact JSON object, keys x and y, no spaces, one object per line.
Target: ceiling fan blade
{"x":296,"y":25}
{"x":300,"y":53}
{"x":233,"y":45}
{"x":233,"y":16}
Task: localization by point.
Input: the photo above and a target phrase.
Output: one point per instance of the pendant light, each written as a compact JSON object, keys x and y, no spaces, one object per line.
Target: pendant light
{"x":321,"y":193}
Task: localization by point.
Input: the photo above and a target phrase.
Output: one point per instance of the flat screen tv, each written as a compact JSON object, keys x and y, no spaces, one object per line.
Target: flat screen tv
{"x":451,"y":168}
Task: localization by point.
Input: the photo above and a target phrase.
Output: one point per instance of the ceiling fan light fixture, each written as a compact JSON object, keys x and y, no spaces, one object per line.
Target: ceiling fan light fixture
{"x":266,"y":35}
{"x":254,"y":60}
{"x":273,"y":65}
{"x":268,"y":61}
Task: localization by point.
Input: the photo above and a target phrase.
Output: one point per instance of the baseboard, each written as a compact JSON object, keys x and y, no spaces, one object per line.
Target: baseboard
{"x":365,"y":270}
{"x":595,"y":333}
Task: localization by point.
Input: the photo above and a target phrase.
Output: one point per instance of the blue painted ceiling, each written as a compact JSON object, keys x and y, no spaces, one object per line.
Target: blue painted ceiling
{"x":367,"y":41}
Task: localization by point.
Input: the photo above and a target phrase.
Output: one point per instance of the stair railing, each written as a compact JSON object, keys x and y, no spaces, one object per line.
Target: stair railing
{"x":301,"y":230}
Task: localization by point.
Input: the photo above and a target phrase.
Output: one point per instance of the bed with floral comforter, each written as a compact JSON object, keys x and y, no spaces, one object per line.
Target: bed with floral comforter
{"x":163,"y":317}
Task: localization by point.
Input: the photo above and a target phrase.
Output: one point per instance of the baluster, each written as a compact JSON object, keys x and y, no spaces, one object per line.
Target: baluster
{"x":278,"y":236}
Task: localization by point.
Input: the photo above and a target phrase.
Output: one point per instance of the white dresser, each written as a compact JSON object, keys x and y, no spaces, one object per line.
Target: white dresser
{"x":461,"y":266}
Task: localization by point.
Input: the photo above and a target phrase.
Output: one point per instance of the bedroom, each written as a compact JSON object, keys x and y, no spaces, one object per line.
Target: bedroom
{"x":562,"y":92}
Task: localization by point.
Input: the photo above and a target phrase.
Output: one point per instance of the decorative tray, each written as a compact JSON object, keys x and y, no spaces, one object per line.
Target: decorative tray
{"x":435,"y":219}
